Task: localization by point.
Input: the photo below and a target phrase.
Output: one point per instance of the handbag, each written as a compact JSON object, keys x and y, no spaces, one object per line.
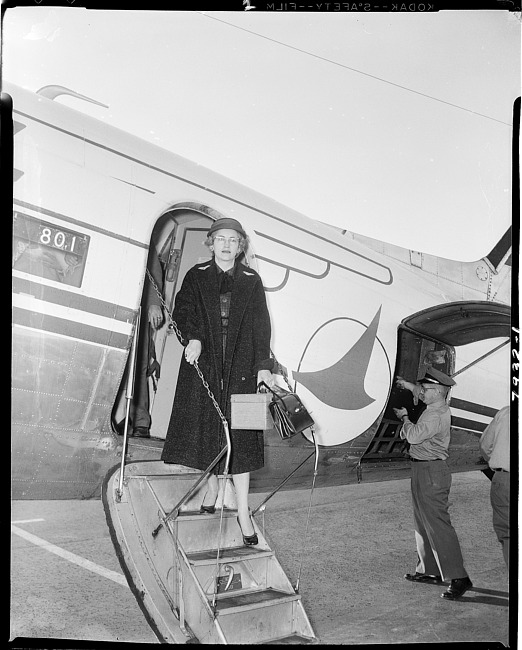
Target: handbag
{"x":288,"y":412}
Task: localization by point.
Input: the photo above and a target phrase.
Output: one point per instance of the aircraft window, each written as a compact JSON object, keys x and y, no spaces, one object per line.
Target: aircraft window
{"x":49,"y":251}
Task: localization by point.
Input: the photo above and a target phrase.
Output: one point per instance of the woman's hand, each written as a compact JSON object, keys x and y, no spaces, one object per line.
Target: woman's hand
{"x":267,"y":377}
{"x":192,"y":351}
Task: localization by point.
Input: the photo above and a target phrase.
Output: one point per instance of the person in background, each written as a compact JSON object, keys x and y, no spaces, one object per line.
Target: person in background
{"x":438,"y":548}
{"x":221,"y":311}
{"x":494,"y":445}
{"x":146,"y":364}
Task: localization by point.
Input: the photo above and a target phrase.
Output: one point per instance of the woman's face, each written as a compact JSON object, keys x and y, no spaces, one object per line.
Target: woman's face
{"x":225,"y":246}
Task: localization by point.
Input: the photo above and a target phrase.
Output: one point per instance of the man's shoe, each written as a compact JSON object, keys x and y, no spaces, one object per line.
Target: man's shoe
{"x":119,"y":427}
{"x":140,"y":432}
{"x":457,"y":587}
{"x":423,"y":577}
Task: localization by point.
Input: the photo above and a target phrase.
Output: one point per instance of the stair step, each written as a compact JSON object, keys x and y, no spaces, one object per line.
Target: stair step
{"x":227,"y":554}
{"x":240,"y":602}
{"x":196,"y":514}
{"x":292,"y":639}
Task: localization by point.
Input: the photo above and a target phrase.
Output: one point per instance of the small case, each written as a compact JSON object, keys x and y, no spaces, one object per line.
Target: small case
{"x":250,"y":411}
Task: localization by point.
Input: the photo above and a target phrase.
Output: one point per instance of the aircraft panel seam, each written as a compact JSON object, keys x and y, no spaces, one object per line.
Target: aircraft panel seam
{"x":86,"y":435}
{"x":62,"y":397}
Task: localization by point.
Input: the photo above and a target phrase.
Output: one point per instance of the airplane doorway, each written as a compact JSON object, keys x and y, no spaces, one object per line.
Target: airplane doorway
{"x":180,"y":237}
{"x":178,"y":240}
{"x":430,"y":337}
{"x":415,"y":352}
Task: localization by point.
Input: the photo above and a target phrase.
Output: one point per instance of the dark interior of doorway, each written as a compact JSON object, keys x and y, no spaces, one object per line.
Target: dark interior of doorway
{"x":414,"y":354}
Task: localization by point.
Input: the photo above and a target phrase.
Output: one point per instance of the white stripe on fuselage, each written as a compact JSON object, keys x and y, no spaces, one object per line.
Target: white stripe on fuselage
{"x":30,"y":303}
{"x":64,"y":336}
{"x":468,"y":415}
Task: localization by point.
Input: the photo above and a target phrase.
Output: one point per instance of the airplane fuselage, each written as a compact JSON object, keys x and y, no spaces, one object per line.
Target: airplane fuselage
{"x":87,"y":200}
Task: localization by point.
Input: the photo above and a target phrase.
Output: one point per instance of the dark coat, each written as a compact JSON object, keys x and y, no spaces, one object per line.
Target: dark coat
{"x":196,"y":433}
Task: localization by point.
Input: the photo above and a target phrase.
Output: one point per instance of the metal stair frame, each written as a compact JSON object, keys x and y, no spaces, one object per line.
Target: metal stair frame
{"x":270,"y":578}
{"x":171,"y":577}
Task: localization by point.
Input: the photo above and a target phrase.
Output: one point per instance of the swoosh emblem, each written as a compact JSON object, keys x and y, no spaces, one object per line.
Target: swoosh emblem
{"x":342,"y":385}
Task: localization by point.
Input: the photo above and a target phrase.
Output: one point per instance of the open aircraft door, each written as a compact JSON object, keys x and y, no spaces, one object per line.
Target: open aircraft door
{"x":179,"y":237}
{"x":436,"y":337}
{"x":178,"y":242}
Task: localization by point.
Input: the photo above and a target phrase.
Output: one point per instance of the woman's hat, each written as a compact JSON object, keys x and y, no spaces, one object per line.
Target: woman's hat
{"x":226,"y":222}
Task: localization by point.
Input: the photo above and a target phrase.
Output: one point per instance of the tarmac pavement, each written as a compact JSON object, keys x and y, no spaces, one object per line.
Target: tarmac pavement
{"x":66,"y":582}
{"x":360,"y":545}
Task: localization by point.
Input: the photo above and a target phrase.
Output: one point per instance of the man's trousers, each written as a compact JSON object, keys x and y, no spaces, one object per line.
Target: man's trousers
{"x":499,"y":496}
{"x":438,"y":546}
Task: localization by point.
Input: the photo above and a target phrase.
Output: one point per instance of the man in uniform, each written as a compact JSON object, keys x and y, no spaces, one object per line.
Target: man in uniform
{"x":151,"y":319}
{"x":438,"y":547}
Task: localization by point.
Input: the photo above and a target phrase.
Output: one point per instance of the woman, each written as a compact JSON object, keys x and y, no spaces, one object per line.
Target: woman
{"x":221,"y":311}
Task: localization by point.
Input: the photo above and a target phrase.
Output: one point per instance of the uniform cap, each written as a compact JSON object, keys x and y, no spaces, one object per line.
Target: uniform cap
{"x":434,"y":376}
{"x":226,"y":222}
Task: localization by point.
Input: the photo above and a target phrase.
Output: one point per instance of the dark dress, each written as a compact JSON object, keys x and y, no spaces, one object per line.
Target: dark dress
{"x":196,"y":434}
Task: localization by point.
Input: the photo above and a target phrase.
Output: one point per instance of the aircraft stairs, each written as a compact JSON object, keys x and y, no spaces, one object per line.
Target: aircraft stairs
{"x":386,"y":445}
{"x":192,"y":575}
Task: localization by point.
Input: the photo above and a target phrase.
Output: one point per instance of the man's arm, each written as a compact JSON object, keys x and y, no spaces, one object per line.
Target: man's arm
{"x":415,"y":389}
{"x":487,"y":439}
{"x":151,"y":299}
{"x":427,"y":427}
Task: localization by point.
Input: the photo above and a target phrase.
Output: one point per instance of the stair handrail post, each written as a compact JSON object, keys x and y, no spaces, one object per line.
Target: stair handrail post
{"x":263,"y":503}
{"x":305,"y":537}
{"x":174,"y":512}
{"x":129,"y":394}
{"x":218,"y":550}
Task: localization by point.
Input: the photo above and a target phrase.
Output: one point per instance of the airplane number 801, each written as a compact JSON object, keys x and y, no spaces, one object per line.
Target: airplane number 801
{"x":57,"y":239}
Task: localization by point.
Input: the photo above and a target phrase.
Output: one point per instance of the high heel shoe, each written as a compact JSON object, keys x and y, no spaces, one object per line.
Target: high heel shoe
{"x":248,"y":540}
{"x":208,"y":510}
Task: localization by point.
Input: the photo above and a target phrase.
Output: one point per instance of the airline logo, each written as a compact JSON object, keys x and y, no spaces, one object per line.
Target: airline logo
{"x":354,"y":387}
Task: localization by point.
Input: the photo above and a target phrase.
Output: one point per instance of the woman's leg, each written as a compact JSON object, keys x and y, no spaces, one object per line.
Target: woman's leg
{"x":242,"y":485}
